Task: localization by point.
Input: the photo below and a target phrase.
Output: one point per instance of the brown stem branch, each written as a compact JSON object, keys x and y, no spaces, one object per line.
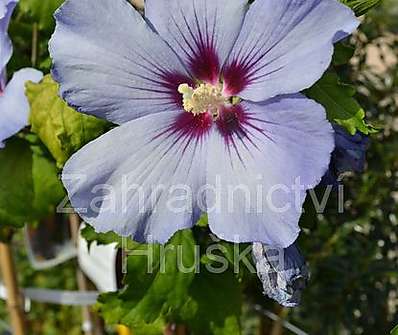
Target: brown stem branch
{"x":14,"y":298}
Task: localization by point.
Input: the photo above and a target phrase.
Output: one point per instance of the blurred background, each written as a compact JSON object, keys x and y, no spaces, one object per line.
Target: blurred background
{"x":353,"y":256}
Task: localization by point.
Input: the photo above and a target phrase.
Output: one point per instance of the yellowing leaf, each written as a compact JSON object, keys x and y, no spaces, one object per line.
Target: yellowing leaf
{"x":59,"y":127}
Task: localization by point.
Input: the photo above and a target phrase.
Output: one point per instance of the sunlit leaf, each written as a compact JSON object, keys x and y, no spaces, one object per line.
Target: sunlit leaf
{"x":60,"y":128}
{"x":360,"y":7}
{"x":338,"y":100}
{"x":174,"y":288}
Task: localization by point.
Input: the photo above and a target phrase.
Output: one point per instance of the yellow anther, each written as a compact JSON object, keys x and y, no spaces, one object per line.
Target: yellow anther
{"x":205,"y":98}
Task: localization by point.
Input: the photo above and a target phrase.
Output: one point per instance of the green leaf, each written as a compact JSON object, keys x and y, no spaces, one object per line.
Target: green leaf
{"x":217,"y":301}
{"x":360,"y":7}
{"x":394,"y":331}
{"x":167,"y":292}
{"x":157,"y":290}
{"x":90,"y":235}
{"x":16,"y":186}
{"x":41,"y":10}
{"x":156,"y":294}
{"x":203,"y":221}
{"x":340,"y":105}
{"x":60,"y":128}
{"x":112,"y":308}
{"x":342,"y":54}
{"x":30,"y":188}
{"x":47,"y":187}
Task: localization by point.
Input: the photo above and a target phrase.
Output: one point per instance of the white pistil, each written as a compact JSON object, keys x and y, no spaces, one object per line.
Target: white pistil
{"x":205,"y":98}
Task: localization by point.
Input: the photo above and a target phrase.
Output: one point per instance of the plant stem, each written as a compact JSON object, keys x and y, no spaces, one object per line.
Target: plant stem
{"x":277,"y":328}
{"x":173,"y":329}
{"x":90,"y":326}
{"x":35,"y":38}
{"x":14,"y":299}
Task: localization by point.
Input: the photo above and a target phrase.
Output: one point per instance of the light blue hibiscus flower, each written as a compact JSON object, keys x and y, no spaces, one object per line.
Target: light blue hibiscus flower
{"x":205,"y":93}
{"x":14,"y":107}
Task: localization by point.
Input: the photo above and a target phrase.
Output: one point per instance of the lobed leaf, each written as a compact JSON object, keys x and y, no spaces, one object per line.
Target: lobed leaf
{"x":163,"y":291}
{"x":338,"y":100}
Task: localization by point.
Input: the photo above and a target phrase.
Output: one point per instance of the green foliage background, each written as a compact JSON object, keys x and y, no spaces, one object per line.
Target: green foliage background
{"x":353,"y":256}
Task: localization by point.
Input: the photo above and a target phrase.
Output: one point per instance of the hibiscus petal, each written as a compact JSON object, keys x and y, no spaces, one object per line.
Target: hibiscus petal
{"x":202,"y":32}
{"x":14,"y":106}
{"x":111,"y":64}
{"x":282,"y":272}
{"x":259,"y":159}
{"x":140,"y":179}
{"x":6,"y":9}
{"x":349,"y":155}
{"x":285,"y":46}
